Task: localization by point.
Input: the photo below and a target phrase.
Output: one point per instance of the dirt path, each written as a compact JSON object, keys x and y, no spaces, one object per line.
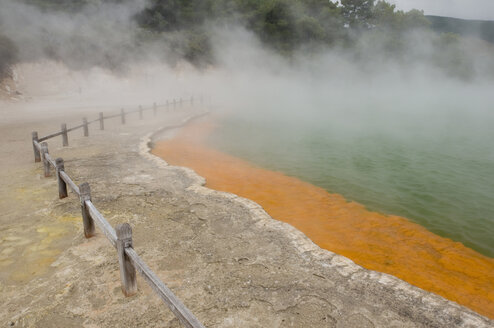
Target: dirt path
{"x":223,"y":256}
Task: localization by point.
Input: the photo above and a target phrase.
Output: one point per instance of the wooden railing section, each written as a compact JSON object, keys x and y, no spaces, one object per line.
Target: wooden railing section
{"x":121,"y":236}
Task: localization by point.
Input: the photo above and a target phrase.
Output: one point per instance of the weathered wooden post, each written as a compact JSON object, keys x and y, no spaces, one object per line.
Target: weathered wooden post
{"x":122,"y":115}
{"x":85,"y":127}
{"x":127,"y":269}
{"x":101,"y":121}
{"x":155,"y":109}
{"x":62,"y":186}
{"x":87,"y":221}
{"x":46,"y":164}
{"x":140,"y":112}
{"x":65,"y":136}
{"x":37,"y":155}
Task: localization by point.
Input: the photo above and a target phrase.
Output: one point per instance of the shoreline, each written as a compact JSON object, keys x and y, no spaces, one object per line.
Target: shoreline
{"x":455,"y":275}
{"x":222,"y":255}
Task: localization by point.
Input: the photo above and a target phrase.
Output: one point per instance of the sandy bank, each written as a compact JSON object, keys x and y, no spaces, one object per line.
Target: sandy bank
{"x":223,"y":256}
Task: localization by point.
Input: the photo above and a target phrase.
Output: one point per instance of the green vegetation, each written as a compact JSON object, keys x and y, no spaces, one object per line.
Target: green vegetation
{"x":481,"y":29}
{"x":59,"y":5}
{"x":283,"y":25}
{"x":180,"y":29}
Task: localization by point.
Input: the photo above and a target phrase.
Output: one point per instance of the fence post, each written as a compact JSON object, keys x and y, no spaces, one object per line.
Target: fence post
{"x":37,"y":155}
{"x":65,"y":136}
{"x":127,"y":269}
{"x":85,"y":126}
{"x":101,"y":121}
{"x":140,"y":112}
{"x":44,"y":151}
{"x":62,"y":186}
{"x":122,"y":115}
{"x":87,"y":221}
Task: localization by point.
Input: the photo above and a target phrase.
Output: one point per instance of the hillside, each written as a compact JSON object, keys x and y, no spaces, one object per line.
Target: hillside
{"x":477,"y":28}
{"x":115,"y":35}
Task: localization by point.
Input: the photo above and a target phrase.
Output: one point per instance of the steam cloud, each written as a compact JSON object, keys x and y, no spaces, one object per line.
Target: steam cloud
{"x":103,"y":42}
{"x":102,"y":34}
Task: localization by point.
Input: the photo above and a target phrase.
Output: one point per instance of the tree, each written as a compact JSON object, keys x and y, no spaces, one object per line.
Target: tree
{"x":277,"y":25}
{"x":385,"y":16}
{"x":357,"y":13}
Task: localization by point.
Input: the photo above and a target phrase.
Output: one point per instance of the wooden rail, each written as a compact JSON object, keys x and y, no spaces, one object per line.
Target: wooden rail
{"x":85,"y":123}
{"x":175,"y":305}
{"x":121,"y":237}
{"x":100,"y":220}
{"x":65,"y":177}
{"x":56,"y":134}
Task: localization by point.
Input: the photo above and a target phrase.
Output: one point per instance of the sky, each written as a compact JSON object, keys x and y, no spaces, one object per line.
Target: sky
{"x":467,"y":9}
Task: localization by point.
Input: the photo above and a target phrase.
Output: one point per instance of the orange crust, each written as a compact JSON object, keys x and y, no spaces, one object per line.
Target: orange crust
{"x":385,"y":243}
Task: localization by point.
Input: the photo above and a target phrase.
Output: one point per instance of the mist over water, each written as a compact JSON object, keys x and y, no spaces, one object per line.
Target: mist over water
{"x":400,"y":137}
{"x":409,"y":135}
{"x":417,"y":149}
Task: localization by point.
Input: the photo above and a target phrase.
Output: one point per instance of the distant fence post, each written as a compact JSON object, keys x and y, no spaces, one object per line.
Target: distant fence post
{"x":62,"y":186}
{"x":85,"y":126}
{"x":37,"y":155}
{"x":122,"y":114}
{"x":101,"y":121}
{"x":46,"y":164}
{"x":155,"y":109}
{"x":140,"y":112}
{"x":127,"y":269}
{"x":65,"y":136}
{"x":87,"y":221}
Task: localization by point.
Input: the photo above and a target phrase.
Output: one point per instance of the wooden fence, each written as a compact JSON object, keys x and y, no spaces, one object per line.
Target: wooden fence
{"x":121,"y":236}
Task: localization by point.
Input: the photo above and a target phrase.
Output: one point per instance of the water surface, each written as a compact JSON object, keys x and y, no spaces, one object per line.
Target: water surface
{"x":385,"y":243}
{"x":438,"y":172}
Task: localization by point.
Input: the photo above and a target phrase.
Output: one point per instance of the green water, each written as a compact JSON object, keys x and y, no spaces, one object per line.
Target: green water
{"x":436,"y":170}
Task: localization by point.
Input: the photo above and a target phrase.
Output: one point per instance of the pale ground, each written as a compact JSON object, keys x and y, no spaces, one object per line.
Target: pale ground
{"x":223,"y":256}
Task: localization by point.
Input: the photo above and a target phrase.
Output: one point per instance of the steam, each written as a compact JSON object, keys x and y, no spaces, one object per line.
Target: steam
{"x":98,"y":56}
{"x":355,"y":97}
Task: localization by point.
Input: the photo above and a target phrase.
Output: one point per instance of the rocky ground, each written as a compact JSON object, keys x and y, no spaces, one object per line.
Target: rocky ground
{"x":223,"y":256}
